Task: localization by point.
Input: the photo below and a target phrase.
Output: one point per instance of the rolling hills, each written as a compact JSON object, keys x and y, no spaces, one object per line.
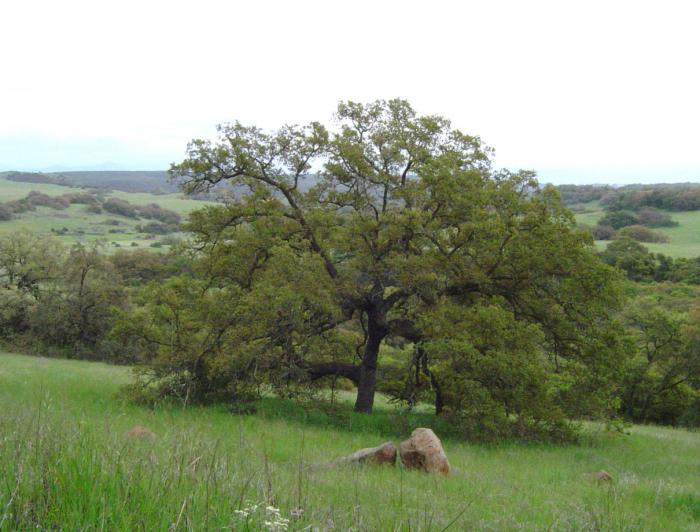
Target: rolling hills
{"x":76,"y":223}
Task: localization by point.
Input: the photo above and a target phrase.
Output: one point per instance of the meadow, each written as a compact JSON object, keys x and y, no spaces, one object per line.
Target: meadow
{"x":66,"y":463}
{"x":76,"y":224}
{"x":684,"y":239}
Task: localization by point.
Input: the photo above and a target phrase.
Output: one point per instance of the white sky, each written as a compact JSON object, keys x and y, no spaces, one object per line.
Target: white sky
{"x":581,"y":91}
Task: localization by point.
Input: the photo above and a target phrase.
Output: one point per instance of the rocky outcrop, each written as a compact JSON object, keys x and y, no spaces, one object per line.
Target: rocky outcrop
{"x":423,"y":451}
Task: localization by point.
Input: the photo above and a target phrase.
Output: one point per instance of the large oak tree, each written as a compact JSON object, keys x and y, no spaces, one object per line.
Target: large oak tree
{"x":379,"y":229}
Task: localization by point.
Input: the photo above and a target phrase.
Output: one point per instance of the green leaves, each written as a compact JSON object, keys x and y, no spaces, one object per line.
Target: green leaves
{"x":406,"y":236}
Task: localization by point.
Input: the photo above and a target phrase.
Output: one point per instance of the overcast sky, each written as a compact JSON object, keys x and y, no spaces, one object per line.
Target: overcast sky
{"x":580,"y":91}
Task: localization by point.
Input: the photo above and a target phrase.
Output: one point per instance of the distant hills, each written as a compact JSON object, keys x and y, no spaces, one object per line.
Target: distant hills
{"x":123,"y":180}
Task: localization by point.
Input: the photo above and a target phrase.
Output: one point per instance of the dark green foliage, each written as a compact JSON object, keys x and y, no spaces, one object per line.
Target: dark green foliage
{"x":632,"y":258}
{"x":156,"y":212}
{"x":691,"y":415}
{"x":138,"y":267}
{"x":667,"y":197}
{"x":150,"y":211}
{"x":684,"y":271}
{"x":5,"y":213}
{"x":19,"y":206}
{"x":652,"y":217}
{"x":74,"y":314}
{"x":619,"y":219}
{"x":84,"y":198}
{"x":641,"y":265}
{"x":641,"y":233}
{"x":661,"y":382}
{"x":188,"y":335}
{"x":120,"y":207}
{"x":156,"y":228}
{"x":39,"y":199}
{"x":603,"y":232}
{"x":59,"y":300}
{"x":573,"y":194}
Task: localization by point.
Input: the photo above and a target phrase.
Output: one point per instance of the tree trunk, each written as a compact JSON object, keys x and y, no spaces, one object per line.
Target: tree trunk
{"x":439,"y":401}
{"x":435,"y":385}
{"x":366,"y":386}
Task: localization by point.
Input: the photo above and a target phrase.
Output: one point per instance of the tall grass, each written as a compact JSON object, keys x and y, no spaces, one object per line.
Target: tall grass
{"x":65,"y":463}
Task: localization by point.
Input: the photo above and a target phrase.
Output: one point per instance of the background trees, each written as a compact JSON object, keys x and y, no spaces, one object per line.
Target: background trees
{"x":661,"y":381}
{"x":56,"y":299}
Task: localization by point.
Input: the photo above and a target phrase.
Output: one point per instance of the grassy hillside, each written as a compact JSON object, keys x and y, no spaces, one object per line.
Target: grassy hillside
{"x":684,"y":238}
{"x":66,"y":463}
{"x":82,"y":225}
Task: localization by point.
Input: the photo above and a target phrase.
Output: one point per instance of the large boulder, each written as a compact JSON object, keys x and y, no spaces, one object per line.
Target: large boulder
{"x":423,"y":451}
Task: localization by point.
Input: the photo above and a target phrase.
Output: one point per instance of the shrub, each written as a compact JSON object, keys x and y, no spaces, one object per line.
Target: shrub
{"x":619,"y":219}
{"x":82,"y":198}
{"x":120,"y":207}
{"x":603,"y":232}
{"x":5,"y":213}
{"x":641,"y":233}
{"x":19,"y":206}
{"x":43,"y":200}
{"x":156,"y":228}
{"x":652,"y":217}
{"x":156,"y":212}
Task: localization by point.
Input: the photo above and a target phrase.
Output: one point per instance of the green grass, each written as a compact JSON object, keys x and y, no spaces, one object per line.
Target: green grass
{"x":684,"y":239}
{"x":66,"y":464}
{"x":82,"y":225}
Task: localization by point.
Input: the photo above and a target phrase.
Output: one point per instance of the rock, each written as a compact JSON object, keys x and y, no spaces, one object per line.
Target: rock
{"x":140,"y":433}
{"x":383,"y":454}
{"x":423,"y":450}
{"x":599,"y":476}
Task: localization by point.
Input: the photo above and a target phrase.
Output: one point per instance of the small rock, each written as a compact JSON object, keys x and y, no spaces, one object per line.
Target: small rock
{"x":599,"y":476}
{"x":423,"y":450}
{"x":383,"y":454}
{"x":140,"y":433}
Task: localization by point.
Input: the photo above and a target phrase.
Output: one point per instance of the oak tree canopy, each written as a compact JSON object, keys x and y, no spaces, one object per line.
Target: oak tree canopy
{"x":386,"y":232}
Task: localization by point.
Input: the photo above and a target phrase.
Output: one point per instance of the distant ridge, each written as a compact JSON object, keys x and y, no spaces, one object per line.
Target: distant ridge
{"x":123,"y":180}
